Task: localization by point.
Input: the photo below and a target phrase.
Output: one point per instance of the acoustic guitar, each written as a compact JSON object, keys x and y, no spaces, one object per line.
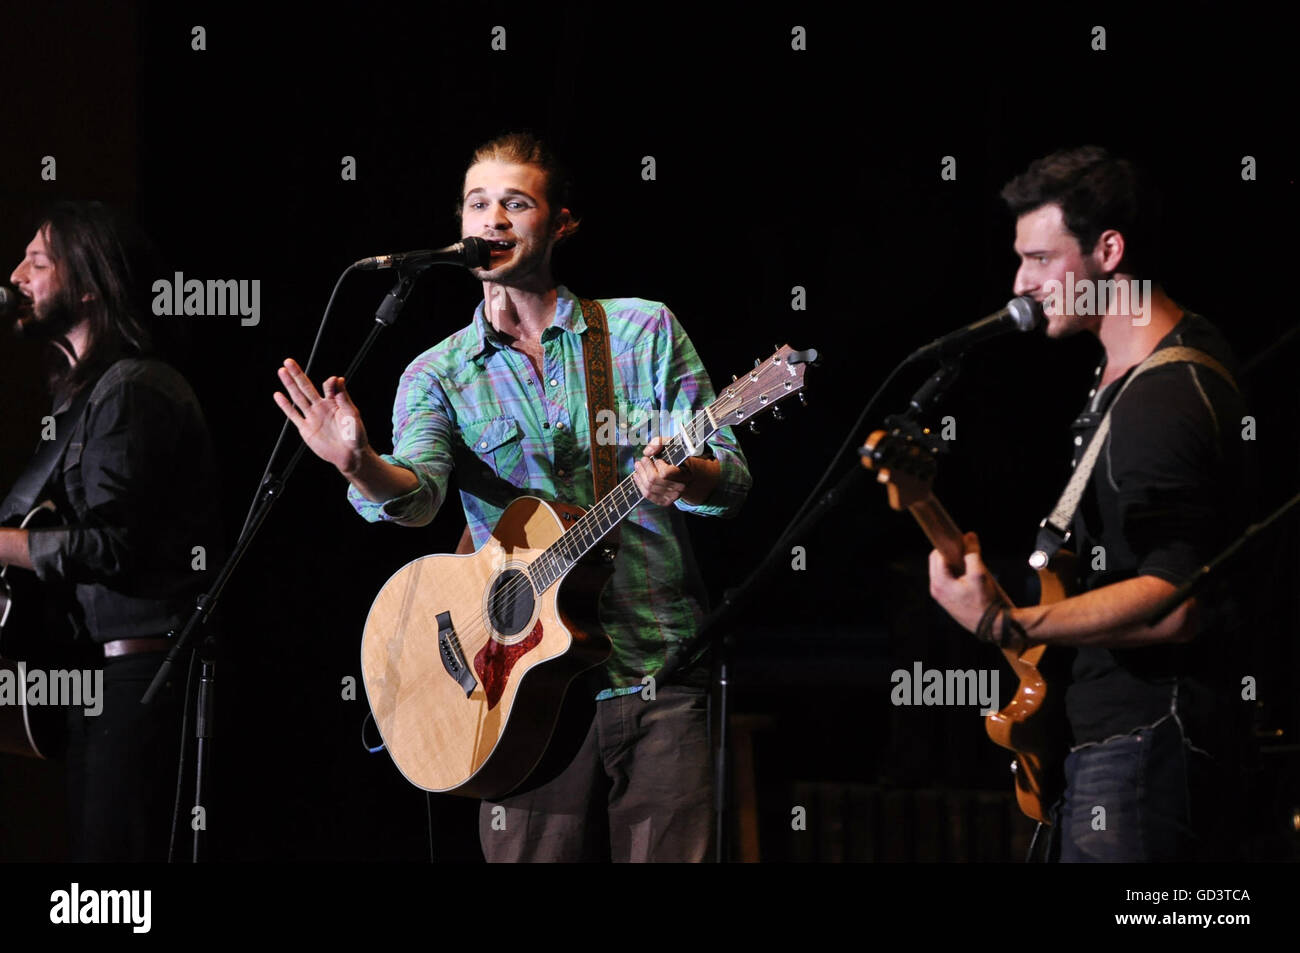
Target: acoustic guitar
{"x":466,"y":659}
{"x":1033,"y":724}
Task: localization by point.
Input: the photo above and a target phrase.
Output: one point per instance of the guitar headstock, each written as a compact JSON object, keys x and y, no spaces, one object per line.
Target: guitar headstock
{"x":903,"y":463}
{"x":764,"y":386}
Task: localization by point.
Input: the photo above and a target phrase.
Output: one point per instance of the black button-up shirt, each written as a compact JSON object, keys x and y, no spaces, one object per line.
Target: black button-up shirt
{"x":137,"y":488}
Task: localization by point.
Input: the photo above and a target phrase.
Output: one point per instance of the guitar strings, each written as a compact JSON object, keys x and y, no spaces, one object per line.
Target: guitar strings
{"x":731,"y":395}
{"x":471,"y":644}
{"x":553,"y":557}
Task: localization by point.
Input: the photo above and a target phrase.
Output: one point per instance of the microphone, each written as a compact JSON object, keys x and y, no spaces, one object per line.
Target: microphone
{"x":470,"y":252}
{"x":1020,"y":314}
{"x":9,"y":300}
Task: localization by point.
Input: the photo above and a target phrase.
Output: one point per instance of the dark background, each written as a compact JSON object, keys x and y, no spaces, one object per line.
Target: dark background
{"x":775,"y":168}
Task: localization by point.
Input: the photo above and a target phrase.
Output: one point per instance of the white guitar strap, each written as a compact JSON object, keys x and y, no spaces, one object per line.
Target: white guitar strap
{"x":1054,"y":531}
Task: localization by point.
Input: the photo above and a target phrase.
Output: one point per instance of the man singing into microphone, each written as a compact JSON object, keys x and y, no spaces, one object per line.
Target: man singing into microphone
{"x":507,"y":398}
{"x":135,"y":483}
{"x":1149,"y":706}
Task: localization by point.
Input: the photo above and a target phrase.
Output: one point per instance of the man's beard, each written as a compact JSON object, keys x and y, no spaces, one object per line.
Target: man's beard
{"x":50,"y":322}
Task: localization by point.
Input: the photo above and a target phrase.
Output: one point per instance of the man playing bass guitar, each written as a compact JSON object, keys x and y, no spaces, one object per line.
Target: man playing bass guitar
{"x":1149,"y":707}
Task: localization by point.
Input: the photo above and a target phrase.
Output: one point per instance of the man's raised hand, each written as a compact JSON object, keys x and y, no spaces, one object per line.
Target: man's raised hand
{"x":330,"y":425}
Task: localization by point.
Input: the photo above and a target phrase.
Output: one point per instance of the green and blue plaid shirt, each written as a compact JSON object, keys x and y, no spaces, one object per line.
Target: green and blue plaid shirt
{"x":473,"y":404}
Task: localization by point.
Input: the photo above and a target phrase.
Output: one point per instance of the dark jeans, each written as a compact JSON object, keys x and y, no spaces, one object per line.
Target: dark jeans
{"x":639,"y":789}
{"x":1142,"y":797}
{"x":122,"y":765}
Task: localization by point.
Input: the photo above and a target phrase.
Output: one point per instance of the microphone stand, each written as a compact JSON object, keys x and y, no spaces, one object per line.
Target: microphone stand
{"x":721,"y":641}
{"x":928,"y":395}
{"x":272,"y":487}
{"x":921,"y":402}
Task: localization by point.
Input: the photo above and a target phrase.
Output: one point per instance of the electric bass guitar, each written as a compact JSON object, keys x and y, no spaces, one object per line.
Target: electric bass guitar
{"x":1032,"y":725}
{"x":466,"y":659}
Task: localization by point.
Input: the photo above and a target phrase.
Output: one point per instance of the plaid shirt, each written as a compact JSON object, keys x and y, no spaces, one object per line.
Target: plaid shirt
{"x":473,"y":403}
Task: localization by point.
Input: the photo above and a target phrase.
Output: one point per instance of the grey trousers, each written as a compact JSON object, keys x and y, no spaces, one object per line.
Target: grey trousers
{"x":640,"y":788}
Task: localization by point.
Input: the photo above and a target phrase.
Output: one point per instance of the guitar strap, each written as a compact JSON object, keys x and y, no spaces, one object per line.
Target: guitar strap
{"x":1054,"y":531}
{"x":597,"y":359}
{"x":27,"y":489}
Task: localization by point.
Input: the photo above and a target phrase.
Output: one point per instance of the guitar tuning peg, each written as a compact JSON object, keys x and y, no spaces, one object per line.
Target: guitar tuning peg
{"x":753,"y":426}
{"x":803,"y":399}
{"x":776,"y":414}
{"x":733,"y":377}
{"x":757,"y":362}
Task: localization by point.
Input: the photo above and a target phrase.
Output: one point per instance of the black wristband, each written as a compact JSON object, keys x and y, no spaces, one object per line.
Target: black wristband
{"x":984,"y":630}
{"x":1013,"y":633}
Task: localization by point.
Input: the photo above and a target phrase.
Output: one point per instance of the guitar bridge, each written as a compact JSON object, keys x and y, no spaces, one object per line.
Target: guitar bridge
{"x":453,"y":657}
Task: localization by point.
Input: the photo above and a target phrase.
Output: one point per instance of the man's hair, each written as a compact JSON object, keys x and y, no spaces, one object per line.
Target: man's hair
{"x":1096,"y":191}
{"x":100,"y":257}
{"x":524,"y":148}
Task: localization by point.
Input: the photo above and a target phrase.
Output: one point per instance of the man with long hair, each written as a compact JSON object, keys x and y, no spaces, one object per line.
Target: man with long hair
{"x":136,"y":489}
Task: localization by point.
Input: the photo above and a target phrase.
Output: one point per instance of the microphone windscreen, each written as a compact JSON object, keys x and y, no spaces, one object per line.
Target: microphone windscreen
{"x":477,"y":253}
{"x":8,"y":299}
{"x":1025,"y":312}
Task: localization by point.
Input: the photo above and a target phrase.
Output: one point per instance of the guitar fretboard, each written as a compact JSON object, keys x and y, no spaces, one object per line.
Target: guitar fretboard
{"x":598,"y":521}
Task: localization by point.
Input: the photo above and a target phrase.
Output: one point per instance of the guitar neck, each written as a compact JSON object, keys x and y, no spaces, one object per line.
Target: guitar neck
{"x":944,"y":535}
{"x":762,"y":388}
{"x":608,"y":512}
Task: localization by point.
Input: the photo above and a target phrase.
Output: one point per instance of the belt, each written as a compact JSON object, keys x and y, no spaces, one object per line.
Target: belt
{"x":134,"y":646}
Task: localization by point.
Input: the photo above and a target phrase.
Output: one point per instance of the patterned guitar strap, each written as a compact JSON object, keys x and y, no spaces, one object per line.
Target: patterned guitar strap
{"x":1054,"y":531}
{"x":598,"y":361}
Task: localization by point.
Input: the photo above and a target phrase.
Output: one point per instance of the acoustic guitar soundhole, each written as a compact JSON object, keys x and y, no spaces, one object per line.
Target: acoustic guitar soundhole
{"x":510,"y":602}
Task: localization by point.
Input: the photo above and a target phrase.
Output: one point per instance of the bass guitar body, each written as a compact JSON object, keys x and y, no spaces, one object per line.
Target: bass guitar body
{"x":1033,"y":723}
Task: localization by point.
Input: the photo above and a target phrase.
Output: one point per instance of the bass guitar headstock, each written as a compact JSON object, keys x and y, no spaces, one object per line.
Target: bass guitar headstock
{"x":903,"y":462}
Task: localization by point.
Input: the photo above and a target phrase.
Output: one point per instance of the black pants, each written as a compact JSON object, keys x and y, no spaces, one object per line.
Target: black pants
{"x":122,"y":765}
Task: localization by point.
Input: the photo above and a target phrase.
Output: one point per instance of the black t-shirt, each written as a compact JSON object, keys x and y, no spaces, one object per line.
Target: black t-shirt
{"x":1167,"y":495}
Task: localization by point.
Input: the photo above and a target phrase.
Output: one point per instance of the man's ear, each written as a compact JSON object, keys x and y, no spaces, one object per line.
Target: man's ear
{"x":565,"y":224}
{"x":1109,"y":250}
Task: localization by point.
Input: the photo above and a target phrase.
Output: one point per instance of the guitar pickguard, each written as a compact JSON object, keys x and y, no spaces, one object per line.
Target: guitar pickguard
{"x":495,"y":660}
